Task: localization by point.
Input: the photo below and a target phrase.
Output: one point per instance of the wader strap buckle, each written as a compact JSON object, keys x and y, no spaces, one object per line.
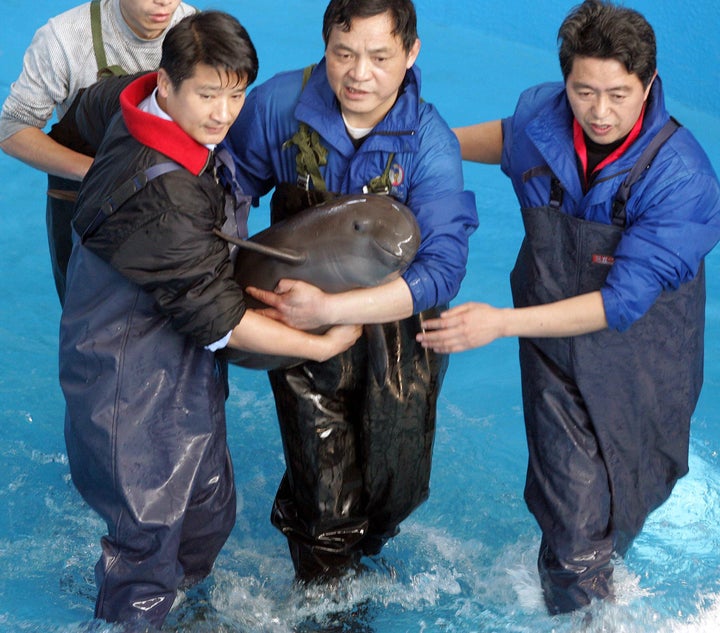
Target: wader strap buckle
{"x":381,"y":184}
{"x":303,"y":181}
{"x":556,"y":193}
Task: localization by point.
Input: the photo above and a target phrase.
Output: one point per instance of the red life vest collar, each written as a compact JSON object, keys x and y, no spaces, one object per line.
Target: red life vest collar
{"x":164,"y":136}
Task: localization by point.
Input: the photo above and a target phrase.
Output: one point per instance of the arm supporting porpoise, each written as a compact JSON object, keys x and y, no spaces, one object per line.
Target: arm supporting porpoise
{"x":348,"y":242}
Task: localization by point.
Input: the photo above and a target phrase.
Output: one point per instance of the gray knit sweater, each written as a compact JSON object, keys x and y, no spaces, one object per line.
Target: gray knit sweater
{"x":60,"y":61}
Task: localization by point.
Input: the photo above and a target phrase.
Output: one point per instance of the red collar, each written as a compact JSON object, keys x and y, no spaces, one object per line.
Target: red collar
{"x":581,"y":148}
{"x":164,"y":136}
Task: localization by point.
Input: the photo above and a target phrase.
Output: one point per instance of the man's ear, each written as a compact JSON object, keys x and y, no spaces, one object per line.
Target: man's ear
{"x":413,"y":54}
{"x":164,"y":85}
{"x":649,"y":86}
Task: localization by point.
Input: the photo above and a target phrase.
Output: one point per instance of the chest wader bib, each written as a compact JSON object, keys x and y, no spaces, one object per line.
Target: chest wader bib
{"x":358,"y":445}
{"x":167,"y":520}
{"x":607,"y":414}
{"x":62,"y":192}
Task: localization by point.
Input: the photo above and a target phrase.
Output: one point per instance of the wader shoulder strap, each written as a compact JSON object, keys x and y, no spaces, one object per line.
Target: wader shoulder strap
{"x":623,"y":193}
{"x":126,"y":191}
{"x":643,"y":163}
{"x":99,"y":47}
{"x":312,"y":155}
{"x":556,"y":192}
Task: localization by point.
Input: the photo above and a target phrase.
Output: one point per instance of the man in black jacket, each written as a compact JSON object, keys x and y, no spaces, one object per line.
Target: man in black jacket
{"x":150,"y":297}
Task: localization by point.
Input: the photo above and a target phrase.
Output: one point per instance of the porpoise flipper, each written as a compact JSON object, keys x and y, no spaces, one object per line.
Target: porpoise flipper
{"x":281,"y":254}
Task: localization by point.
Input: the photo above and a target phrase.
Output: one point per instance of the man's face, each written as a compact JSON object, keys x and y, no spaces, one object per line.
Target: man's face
{"x":605,"y":99}
{"x":204,"y":105}
{"x":365,"y":68}
{"x":148,"y":18}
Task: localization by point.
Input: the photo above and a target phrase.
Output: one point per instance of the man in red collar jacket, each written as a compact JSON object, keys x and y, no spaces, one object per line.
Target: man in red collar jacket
{"x":620,"y":208}
{"x":150,"y":297}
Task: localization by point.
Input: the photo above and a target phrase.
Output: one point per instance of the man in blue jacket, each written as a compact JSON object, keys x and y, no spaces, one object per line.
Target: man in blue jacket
{"x":358,"y":430}
{"x":620,"y":207}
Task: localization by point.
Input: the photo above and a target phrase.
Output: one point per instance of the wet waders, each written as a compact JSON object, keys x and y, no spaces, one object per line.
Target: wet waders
{"x":607,"y":414}
{"x":358,"y":453}
{"x":147,"y":446}
{"x":357,"y":442}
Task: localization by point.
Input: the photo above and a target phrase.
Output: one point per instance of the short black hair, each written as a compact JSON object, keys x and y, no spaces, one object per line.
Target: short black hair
{"x":601,"y":29}
{"x":342,"y":12}
{"x":213,"y":38}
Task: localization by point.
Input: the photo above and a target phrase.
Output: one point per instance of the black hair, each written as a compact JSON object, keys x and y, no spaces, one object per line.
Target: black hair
{"x":213,"y":38}
{"x":342,"y":12}
{"x":597,"y":28}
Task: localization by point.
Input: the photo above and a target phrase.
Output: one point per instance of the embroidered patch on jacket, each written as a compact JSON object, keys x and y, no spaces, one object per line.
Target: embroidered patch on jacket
{"x":603,"y":260}
{"x":397,"y":175}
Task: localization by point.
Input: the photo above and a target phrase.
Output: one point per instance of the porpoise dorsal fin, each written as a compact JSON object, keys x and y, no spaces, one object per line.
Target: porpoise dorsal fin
{"x":285,"y":255}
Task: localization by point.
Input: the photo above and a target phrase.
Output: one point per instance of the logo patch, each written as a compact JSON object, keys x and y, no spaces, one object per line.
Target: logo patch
{"x":603,"y":260}
{"x":397,"y":175}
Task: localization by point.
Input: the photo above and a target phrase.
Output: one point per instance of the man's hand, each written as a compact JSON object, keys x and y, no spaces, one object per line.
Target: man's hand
{"x":462,"y":327}
{"x":476,"y":324}
{"x":295,"y":303}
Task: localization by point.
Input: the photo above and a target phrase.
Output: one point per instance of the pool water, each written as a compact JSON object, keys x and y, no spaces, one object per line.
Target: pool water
{"x":465,"y":561}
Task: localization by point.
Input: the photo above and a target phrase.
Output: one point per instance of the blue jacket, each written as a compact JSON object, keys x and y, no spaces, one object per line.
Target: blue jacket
{"x":673,"y":214}
{"x":427,"y":168}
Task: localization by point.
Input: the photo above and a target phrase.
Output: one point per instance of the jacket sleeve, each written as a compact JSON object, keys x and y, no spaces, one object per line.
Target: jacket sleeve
{"x":41,"y":86}
{"x":446,"y":214}
{"x":162,"y":240}
{"x":248,"y":144}
{"x":677,"y":225}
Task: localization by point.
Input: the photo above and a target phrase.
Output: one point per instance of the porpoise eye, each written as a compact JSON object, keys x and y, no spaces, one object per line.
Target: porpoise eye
{"x":358,"y":226}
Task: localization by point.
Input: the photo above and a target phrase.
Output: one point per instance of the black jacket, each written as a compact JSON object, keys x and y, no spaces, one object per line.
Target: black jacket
{"x":162,"y":237}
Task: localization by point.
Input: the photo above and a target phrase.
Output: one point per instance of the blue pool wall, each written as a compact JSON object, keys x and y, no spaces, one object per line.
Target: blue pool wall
{"x":688,"y":49}
{"x":686,"y":32}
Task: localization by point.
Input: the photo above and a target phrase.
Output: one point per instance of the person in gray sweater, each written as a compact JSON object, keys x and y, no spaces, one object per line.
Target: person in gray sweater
{"x":122,"y":36}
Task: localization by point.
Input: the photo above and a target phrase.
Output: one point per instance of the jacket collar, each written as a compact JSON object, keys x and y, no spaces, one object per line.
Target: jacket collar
{"x":397,"y":132}
{"x":166,"y":137}
{"x":551,"y":131}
